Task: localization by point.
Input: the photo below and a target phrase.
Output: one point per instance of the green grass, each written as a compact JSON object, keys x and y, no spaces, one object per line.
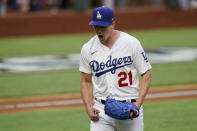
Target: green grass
{"x":174,"y":73}
{"x":39,"y":83}
{"x":158,"y":116}
{"x":154,"y":39}
{"x":68,"y":81}
{"x":65,"y":44}
{"x":42,"y":45}
{"x":171,"y":116}
{"x":62,"y":120}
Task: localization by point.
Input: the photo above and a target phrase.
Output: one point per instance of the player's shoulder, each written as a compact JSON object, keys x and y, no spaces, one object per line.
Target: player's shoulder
{"x":90,"y":44}
{"x":129,"y":37}
{"x":131,"y":40}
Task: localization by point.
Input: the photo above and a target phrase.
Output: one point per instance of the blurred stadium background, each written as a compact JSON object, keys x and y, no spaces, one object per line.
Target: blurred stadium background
{"x":39,"y":31}
{"x":35,"y":17}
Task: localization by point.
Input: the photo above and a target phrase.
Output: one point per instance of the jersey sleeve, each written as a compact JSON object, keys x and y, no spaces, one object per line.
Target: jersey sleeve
{"x":141,"y":62}
{"x":84,"y":60}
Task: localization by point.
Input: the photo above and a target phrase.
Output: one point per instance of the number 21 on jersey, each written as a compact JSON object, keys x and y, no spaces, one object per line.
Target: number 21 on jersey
{"x":123,"y":77}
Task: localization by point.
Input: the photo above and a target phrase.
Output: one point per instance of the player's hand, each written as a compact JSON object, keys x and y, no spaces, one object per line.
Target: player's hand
{"x":93,"y":114}
{"x":137,"y":104}
{"x":131,"y":113}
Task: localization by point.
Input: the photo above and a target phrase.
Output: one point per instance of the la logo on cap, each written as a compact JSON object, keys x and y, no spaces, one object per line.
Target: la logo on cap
{"x":98,"y":15}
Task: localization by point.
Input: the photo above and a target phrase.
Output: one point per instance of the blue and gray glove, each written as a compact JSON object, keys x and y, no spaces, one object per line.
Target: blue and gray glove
{"x":120,"y":110}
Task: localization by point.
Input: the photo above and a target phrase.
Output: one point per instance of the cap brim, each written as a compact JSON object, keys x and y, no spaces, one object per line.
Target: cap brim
{"x":99,"y":23}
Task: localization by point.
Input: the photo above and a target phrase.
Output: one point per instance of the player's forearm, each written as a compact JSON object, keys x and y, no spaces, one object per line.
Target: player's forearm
{"x":87,"y":94}
{"x":144,"y":87}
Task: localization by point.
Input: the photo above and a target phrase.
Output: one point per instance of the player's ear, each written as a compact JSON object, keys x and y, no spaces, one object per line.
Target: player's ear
{"x":113,"y":24}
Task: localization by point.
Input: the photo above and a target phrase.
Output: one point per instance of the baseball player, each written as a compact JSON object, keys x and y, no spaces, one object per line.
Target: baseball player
{"x":110,"y":88}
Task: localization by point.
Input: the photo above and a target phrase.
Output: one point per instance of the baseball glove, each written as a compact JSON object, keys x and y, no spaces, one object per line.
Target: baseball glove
{"x":120,"y":110}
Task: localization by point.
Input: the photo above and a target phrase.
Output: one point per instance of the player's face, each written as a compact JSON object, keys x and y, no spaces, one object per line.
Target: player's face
{"x":104,"y":33}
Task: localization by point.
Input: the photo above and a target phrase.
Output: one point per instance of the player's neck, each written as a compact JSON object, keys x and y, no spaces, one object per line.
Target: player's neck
{"x":112,"y":39}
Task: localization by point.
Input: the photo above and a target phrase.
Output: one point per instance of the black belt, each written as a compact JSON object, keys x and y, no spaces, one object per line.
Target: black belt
{"x":132,"y":100}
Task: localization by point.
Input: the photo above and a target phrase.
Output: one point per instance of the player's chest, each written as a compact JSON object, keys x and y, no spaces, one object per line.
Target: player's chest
{"x":103,"y":54}
{"x":106,"y":59}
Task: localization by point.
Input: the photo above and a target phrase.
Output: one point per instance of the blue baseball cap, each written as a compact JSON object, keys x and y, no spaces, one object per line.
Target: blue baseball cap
{"x":102,"y":16}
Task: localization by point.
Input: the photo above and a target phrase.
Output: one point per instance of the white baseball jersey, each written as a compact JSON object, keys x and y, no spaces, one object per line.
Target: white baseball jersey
{"x":114,"y":71}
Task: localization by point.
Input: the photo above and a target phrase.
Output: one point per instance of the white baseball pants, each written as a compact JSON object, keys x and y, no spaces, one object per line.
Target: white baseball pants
{"x":107,"y":123}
